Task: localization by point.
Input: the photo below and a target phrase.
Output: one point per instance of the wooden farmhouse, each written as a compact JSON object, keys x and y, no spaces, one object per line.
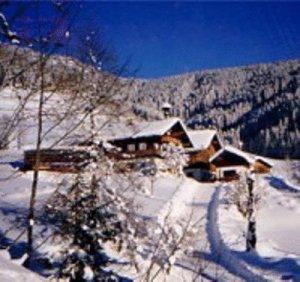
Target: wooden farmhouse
{"x":59,"y":159}
{"x":148,"y":138}
{"x":205,"y":144}
{"x":229,"y":163}
{"x":144,"y":142}
{"x":208,"y":159}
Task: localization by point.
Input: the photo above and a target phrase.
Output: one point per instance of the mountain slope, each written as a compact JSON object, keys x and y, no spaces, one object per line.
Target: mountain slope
{"x":256,"y":105}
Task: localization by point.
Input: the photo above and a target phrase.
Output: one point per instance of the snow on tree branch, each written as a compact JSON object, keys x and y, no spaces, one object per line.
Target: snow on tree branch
{"x":6,"y":30}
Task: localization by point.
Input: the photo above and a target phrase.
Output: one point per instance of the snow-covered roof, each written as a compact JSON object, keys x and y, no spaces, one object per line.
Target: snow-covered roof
{"x":157,"y":128}
{"x":166,"y":105}
{"x":248,"y":157}
{"x":201,"y":139}
{"x":264,"y":160}
{"x":235,"y":151}
{"x":154,"y":128}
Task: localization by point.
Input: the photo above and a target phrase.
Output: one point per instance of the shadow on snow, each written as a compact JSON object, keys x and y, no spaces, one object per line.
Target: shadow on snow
{"x":280,"y":184}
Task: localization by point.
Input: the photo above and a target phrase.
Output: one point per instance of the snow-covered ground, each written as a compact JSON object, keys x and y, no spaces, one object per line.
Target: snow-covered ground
{"x":181,"y":199}
{"x":278,"y":228}
{"x":282,"y":234}
{"x":10,"y":271}
{"x":216,"y":246}
{"x":57,"y":104}
{"x":177,"y":197}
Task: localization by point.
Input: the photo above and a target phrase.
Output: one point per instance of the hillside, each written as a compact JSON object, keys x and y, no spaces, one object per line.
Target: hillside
{"x":257,"y":105}
{"x":189,"y":229}
{"x":254,"y":106}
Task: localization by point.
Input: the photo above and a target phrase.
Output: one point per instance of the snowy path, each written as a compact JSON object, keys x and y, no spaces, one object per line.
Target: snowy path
{"x":221,"y":253}
{"x":202,"y":262}
{"x":182,"y":199}
{"x":278,"y":244}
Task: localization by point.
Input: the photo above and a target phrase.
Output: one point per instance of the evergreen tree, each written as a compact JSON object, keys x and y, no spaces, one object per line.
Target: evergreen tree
{"x":86,"y":223}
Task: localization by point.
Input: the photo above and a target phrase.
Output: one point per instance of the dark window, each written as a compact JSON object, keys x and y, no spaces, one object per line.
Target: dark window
{"x":230,"y":173}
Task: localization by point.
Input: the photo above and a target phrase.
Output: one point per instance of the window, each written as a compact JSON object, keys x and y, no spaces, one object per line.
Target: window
{"x":131,"y":147}
{"x":231,"y":174}
{"x":142,"y":146}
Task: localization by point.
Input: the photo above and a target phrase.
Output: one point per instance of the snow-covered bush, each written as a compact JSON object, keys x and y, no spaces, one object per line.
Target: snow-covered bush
{"x":168,"y":240}
{"x":238,"y":194}
{"x":175,"y":158}
{"x":247,"y":196}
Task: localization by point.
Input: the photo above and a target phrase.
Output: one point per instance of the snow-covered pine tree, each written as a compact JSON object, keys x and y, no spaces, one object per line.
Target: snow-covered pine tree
{"x":93,"y":213}
{"x":86,"y":222}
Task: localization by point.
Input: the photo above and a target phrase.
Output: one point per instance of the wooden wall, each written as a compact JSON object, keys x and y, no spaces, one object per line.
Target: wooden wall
{"x":260,"y":167}
{"x":227,"y":159}
{"x":176,"y":136}
{"x":203,"y":156}
{"x":63,"y":160}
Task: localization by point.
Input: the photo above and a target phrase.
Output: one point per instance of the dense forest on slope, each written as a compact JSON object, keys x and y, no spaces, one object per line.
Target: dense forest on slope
{"x":255,"y":107}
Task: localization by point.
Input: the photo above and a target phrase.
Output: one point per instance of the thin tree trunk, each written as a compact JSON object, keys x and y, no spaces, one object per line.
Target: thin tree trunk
{"x":251,"y":222}
{"x":19,"y":127}
{"x":31,"y":215}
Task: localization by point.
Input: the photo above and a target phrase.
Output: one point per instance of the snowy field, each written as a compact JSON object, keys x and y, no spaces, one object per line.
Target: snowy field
{"x":179,"y":197}
{"x":216,"y":248}
{"x":24,"y":137}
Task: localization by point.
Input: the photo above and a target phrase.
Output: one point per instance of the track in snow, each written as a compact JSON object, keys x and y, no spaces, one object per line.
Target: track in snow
{"x":219,"y":251}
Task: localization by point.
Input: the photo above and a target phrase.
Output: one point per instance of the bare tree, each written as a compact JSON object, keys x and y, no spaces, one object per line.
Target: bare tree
{"x":41,"y":90}
{"x":96,"y":90}
{"x":90,"y":92}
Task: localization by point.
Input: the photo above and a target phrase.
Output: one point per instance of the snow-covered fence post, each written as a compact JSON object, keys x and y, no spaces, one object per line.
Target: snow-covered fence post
{"x":251,"y":219}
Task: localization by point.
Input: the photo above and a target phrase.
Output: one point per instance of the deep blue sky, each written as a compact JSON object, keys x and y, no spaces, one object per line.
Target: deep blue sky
{"x":165,"y":38}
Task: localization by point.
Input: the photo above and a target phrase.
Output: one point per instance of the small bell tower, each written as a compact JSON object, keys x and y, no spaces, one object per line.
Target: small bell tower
{"x":166,"y":108}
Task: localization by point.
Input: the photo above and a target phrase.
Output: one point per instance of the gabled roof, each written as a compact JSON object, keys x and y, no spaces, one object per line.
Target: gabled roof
{"x":166,"y":105}
{"x":154,"y":129}
{"x":246,"y":156}
{"x":201,"y":139}
{"x":232,"y":150}
{"x":264,"y":160}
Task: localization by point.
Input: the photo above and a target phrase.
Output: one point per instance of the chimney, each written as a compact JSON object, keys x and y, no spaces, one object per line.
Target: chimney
{"x":166,"y":108}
